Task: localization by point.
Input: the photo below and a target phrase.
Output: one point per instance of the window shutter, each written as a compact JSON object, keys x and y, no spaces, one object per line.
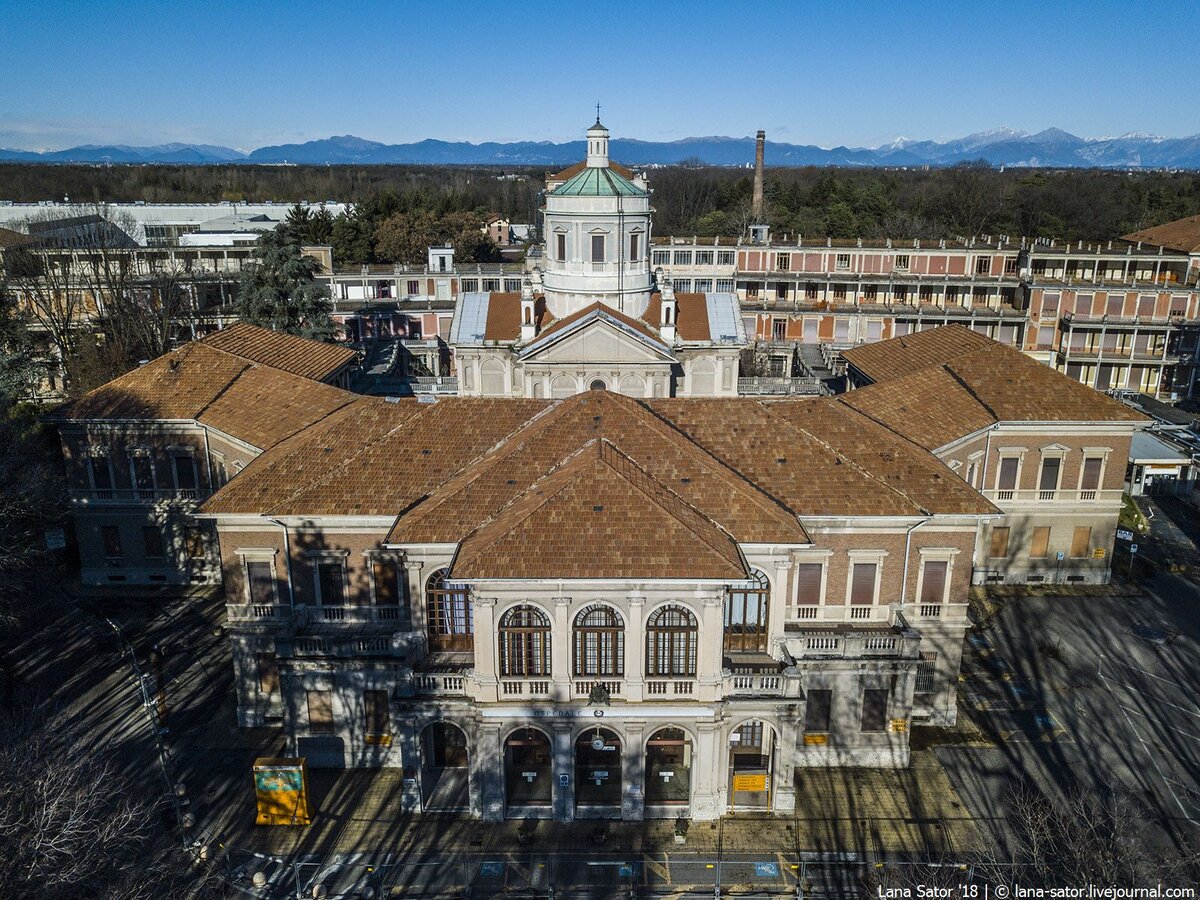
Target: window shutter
{"x":808,"y":584}
{"x":387,"y":591}
{"x":817,"y":715}
{"x":999,"y":543}
{"x":1008,"y":473}
{"x":261,"y":586}
{"x":1049,"y":481}
{"x":375,"y":712}
{"x":1039,"y":547}
{"x":1081,"y":542}
{"x":874,"y":709}
{"x":320,"y":711}
{"x":862,"y":585}
{"x":268,"y":673}
{"x":933,"y":584}
{"x":1091,"y":473}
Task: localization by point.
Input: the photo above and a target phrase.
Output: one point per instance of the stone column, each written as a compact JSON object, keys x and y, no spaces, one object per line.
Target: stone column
{"x":708,"y":767}
{"x":633,"y":799}
{"x":779,"y":600}
{"x":563,"y":764}
{"x":487,"y":768}
{"x":561,"y":649}
{"x":487,"y":686}
{"x":408,"y":744}
{"x":635,"y":651}
{"x":789,"y":727}
{"x":710,"y":659}
{"x":416,"y":594}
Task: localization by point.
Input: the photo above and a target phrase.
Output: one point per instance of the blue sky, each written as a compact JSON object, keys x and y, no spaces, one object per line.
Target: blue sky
{"x":250,"y":73}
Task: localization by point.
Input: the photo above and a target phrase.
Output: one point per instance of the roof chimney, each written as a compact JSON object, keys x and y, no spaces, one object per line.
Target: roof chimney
{"x":759,"y":145}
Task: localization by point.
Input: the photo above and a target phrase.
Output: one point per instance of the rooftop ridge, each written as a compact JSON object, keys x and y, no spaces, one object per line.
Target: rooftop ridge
{"x":840,"y":455}
{"x":359,"y":450}
{"x":564,"y":474}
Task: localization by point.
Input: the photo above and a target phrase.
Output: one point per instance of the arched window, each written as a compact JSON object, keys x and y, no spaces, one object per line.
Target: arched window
{"x":746,"y":615}
{"x":525,"y":642}
{"x":598,"y":385}
{"x":448,"y":611}
{"x":671,"y":642}
{"x":599,"y":642}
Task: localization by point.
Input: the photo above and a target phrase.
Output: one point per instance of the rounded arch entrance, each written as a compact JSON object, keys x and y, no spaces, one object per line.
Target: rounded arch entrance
{"x":598,"y":772}
{"x":528,"y":773}
{"x":752,"y":746}
{"x":668,"y":770}
{"x":445,"y":767}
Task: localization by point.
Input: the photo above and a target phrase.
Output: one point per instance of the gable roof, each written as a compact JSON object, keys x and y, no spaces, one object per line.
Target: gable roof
{"x":936,"y":405}
{"x":253,"y":403}
{"x":596,"y":312}
{"x":287,"y":352}
{"x":901,"y":356}
{"x":691,"y":315}
{"x":597,"y":514}
{"x":1182,"y":235}
{"x":520,"y":459}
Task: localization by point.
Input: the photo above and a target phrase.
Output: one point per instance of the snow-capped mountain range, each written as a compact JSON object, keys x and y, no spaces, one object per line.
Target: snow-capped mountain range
{"x":1052,"y":147}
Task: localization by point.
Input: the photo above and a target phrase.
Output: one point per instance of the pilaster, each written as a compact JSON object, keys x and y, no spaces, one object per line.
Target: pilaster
{"x":633,"y":801}
{"x":635,"y":651}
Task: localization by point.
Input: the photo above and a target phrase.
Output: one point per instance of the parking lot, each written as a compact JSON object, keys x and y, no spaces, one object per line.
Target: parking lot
{"x":1089,"y":693}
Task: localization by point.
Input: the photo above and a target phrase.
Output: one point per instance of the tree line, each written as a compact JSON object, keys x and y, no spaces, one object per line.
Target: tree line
{"x":974,"y":198}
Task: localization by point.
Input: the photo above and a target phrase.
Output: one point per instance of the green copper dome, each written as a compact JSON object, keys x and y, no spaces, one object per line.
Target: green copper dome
{"x":598,"y":182}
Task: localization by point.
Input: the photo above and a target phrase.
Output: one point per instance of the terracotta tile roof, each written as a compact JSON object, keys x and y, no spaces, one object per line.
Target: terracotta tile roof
{"x":911,"y":472}
{"x":599,"y":515}
{"x":904,"y":355}
{"x":598,"y":309}
{"x":10,"y":238}
{"x":372,"y":458}
{"x":571,"y":171}
{"x":504,"y":316}
{"x":299,"y":356}
{"x":819,"y":459}
{"x":1182,"y":234}
{"x":254,"y":403}
{"x":691,"y":315}
{"x":934,"y":406}
{"x":667,"y":455}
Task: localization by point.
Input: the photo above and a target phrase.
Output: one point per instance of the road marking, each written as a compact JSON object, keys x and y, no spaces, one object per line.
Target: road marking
{"x":1153,"y":758}
{"x":1137,"y":712}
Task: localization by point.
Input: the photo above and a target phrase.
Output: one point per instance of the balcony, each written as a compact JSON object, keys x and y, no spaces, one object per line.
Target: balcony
{"x":352,"y":615}
{"x":581,"y":689}
{"x":133,"y":495}
{"x":783,"y":387}
{"x":674,"y":687}
{"x":1058,"y":496}
{"x":526,"y":687}
{"x":1075,"y":320}
{"x":783,"y":683}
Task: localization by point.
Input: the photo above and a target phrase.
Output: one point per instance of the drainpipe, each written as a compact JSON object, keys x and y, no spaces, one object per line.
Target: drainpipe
{"x":287,"y":550}
{"x":907,"y":545}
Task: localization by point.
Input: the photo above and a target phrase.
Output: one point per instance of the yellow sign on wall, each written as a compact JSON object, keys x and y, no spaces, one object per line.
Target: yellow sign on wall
{"x":281,"y":791}
{"x":1099,"y":553}
{"x":816,"y":739}
{"x":899,"y":725}
{"x":750,"y":783}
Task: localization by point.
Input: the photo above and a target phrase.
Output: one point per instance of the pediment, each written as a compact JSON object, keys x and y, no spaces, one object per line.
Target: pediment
{"x":598,"y":341}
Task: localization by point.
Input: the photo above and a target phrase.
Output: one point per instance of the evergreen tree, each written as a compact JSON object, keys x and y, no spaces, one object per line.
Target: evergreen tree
{"x":19,"y":365}
{"x":279,"y":290}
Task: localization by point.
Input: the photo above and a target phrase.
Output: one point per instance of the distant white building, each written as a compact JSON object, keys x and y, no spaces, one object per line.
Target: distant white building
{"x":168,"y":224}
{"x":597,"y":317}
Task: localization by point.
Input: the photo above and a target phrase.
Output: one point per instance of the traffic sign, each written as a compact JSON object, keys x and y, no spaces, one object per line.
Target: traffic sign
{"x":1061,"y":556}
{"x":1133,"y":548}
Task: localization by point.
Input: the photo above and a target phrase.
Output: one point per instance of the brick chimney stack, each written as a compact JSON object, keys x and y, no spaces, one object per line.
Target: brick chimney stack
{"x":758,"y":176}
